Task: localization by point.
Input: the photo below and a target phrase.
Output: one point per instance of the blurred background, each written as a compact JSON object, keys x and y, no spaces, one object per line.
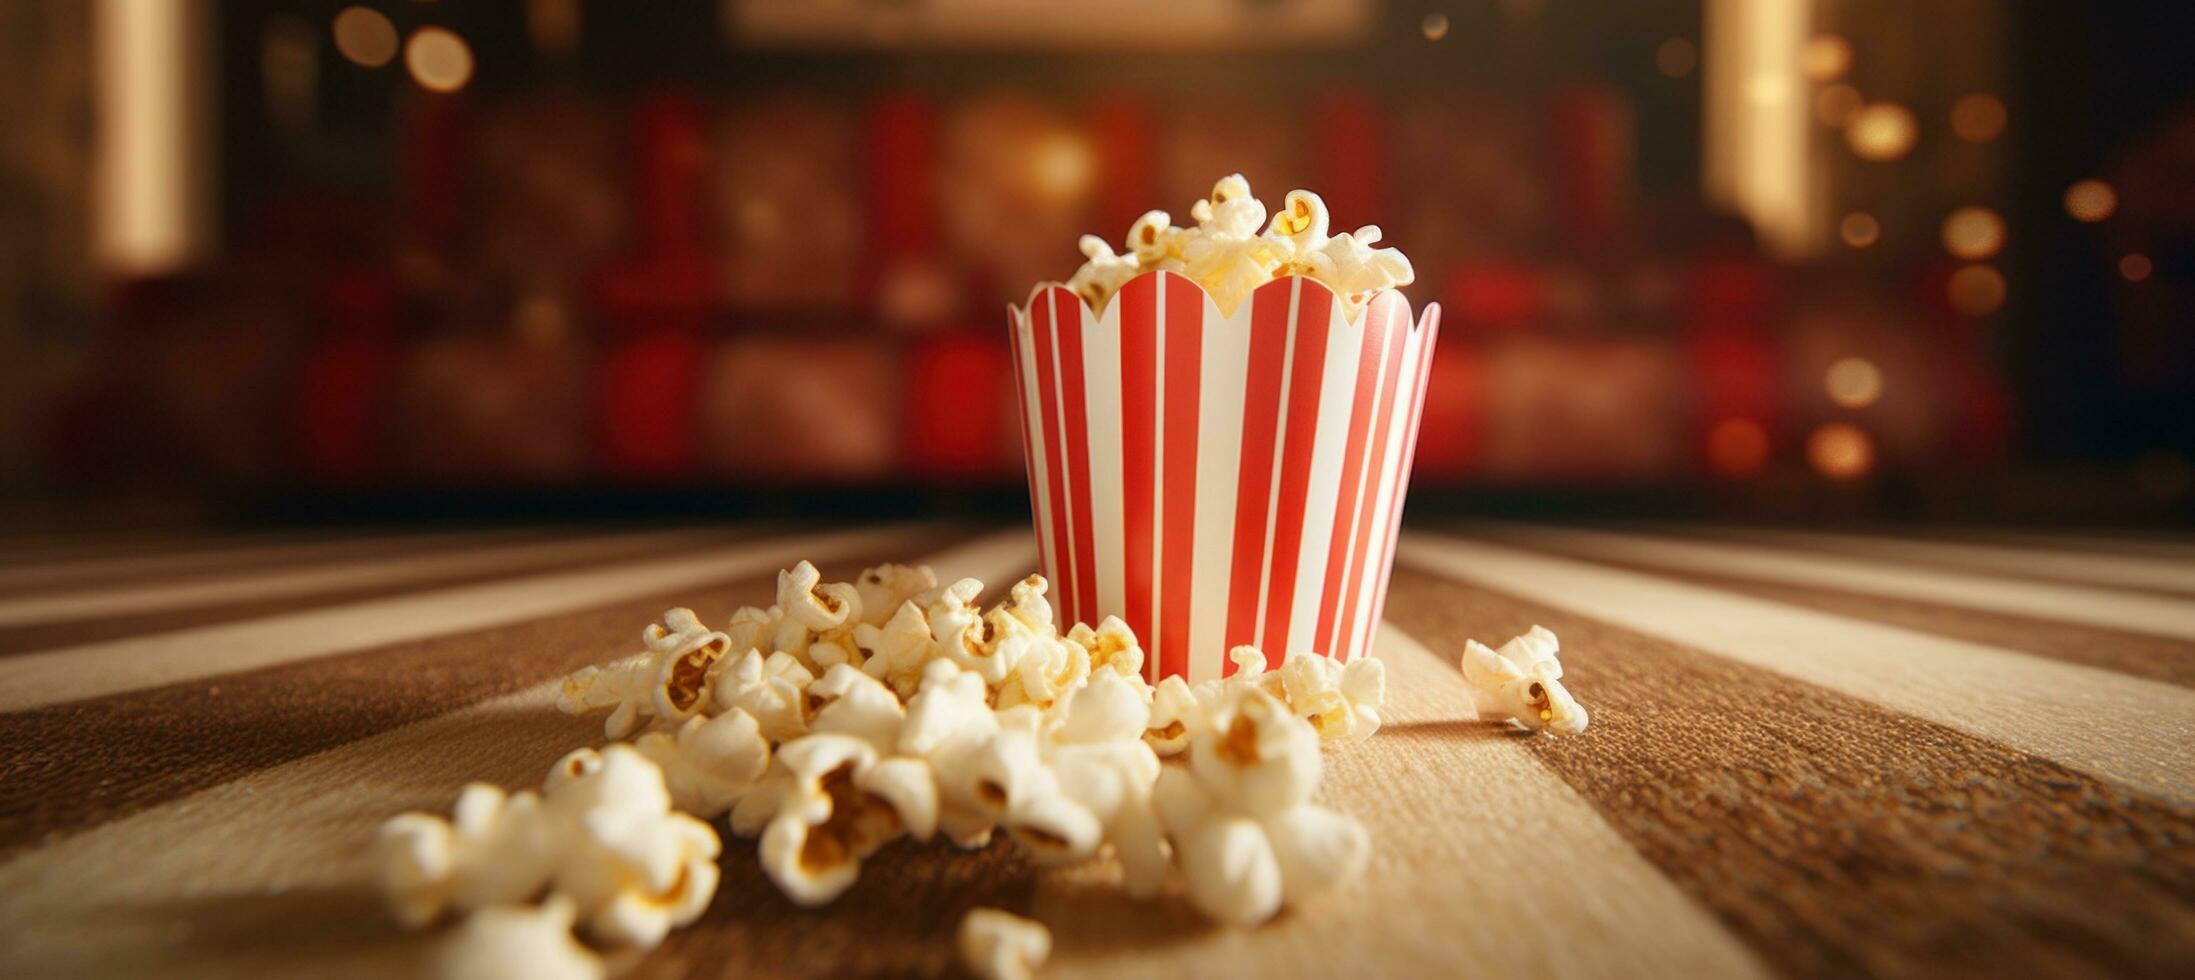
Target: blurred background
{"x":1769,"y":259}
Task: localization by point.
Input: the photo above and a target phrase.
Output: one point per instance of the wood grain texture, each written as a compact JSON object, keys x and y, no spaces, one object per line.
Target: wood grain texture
{"x":34,"y":623}
{"x":81,"y":764}
{"x":2136,"y":732}
{"x":2157,"y":658}
{"x":2107,"y":608}
{"x":137,"y":663}
{"x":1783,"y":777}
{"x":31,"y":575}
{"x":2132,"y":572}
{"x":1839,"y":837}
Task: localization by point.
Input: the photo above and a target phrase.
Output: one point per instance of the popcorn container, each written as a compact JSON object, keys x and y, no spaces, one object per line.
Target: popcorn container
{"x":1218,"y":480}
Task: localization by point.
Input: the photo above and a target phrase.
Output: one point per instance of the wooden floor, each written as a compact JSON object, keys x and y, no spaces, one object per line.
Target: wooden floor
{"x":1811,"y":754}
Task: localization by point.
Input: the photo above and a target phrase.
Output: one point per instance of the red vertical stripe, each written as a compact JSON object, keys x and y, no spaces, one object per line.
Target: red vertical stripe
{"x":1386,"y":563}
{"x":1356,"y":470}
{"x":1260,"y":417}
{"x":1314,"y":318}
{"x":1079,"y":594}
{"x":1139,"y":393}
{"x":1366,"y":543}
{"x":1054,"y":445}
{"x":1184,"y":370}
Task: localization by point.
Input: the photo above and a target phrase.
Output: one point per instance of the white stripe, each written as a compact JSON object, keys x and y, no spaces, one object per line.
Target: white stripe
{"x":2110,"y":609}
{"x":2111,"y":571}
{"x":286,"y":582}
{"x":1039,"y":438}
{"x":1337,"y":399}
{"x":2136,"y":732}
{"x":215,"y":883}
{"x":1280,"y":458}
{"x":1484,"y":863}
{"x":1225,"y":384}
{"x":1108,"y":502}
{"x":140,"y":662}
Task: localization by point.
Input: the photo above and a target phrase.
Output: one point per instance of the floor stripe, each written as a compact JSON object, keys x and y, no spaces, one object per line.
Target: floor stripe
{"x":228,"y":555}
{"x":2148,"y":542}
{"x":137,"y":663}
{"x":80,"y":764}
{"x":1485,"y":863}
{"x":206,"y":590}
{"x":2140,"y":654}
{"x":2107,"y":608}
{"x":2134,"y":572}
{"x":2125,"y":729}
{"x":264,"y":875}
{"x":1841,"y":838}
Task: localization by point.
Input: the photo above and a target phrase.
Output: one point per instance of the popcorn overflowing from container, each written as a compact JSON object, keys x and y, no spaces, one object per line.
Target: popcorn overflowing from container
{"x":848,"y":715}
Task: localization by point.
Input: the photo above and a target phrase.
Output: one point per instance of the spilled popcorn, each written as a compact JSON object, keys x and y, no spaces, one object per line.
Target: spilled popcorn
{"x":1232,"y":250}
{"x":1522,"y":682}
{"x":846,"y":716}
{"x":997,"y":945}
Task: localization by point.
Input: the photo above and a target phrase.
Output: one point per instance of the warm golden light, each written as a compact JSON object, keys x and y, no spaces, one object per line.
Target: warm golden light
{"x":1973,"y":233}
{"x":1853,"y":382}
{"x":2091,"y":200}
{"x":1978,"y":118}
{"x":439,"y":60}
{"x":365,"y":36}
{"x":1758,"y":158}
{"x":1835,"y":104}
{"x":2135,"y":267}
{"x":1826,"y":57}
{"x":1977,"y":290}
{"x":1065,"y":166}
{"x":1859,"y":229}
{"x":1841,"y":451}
{"x":1676,"y":57}
{"x":1435,"y":26}
{"x":1882,"y":131}
{"x":1737,"y":447}
{"x":151,"y":210}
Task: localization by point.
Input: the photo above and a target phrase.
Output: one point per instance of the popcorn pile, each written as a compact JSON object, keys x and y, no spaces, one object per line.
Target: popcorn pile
{"x":884,"y":708}
{"x":1232,"y":251}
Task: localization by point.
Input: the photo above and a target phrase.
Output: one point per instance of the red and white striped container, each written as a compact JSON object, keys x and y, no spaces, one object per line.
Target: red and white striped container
{"x":1218,"y":480}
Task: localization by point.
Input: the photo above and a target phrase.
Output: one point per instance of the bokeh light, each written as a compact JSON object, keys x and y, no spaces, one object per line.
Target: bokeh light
{"x":1737,"y":447}
{"x":1882,"y":131}
{"x":365,"y":36}
{"x":439,"y":60}
{"x":1973,"y":233}
{"x":1065,"y":166}
{"x":2091,"y":200}
{"x":2135,"y":267}
{"x":1835,"y":104}
{"x":1676,"y":57}
{"x":1853,"y":382}
{"x":1435,"y":26}
{"x":1841,"y":451}
{"x":1826,"y":57}
{"x":1978,"y":118}
{"x":1859,"y":229}
{"x":1976,"y":290}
